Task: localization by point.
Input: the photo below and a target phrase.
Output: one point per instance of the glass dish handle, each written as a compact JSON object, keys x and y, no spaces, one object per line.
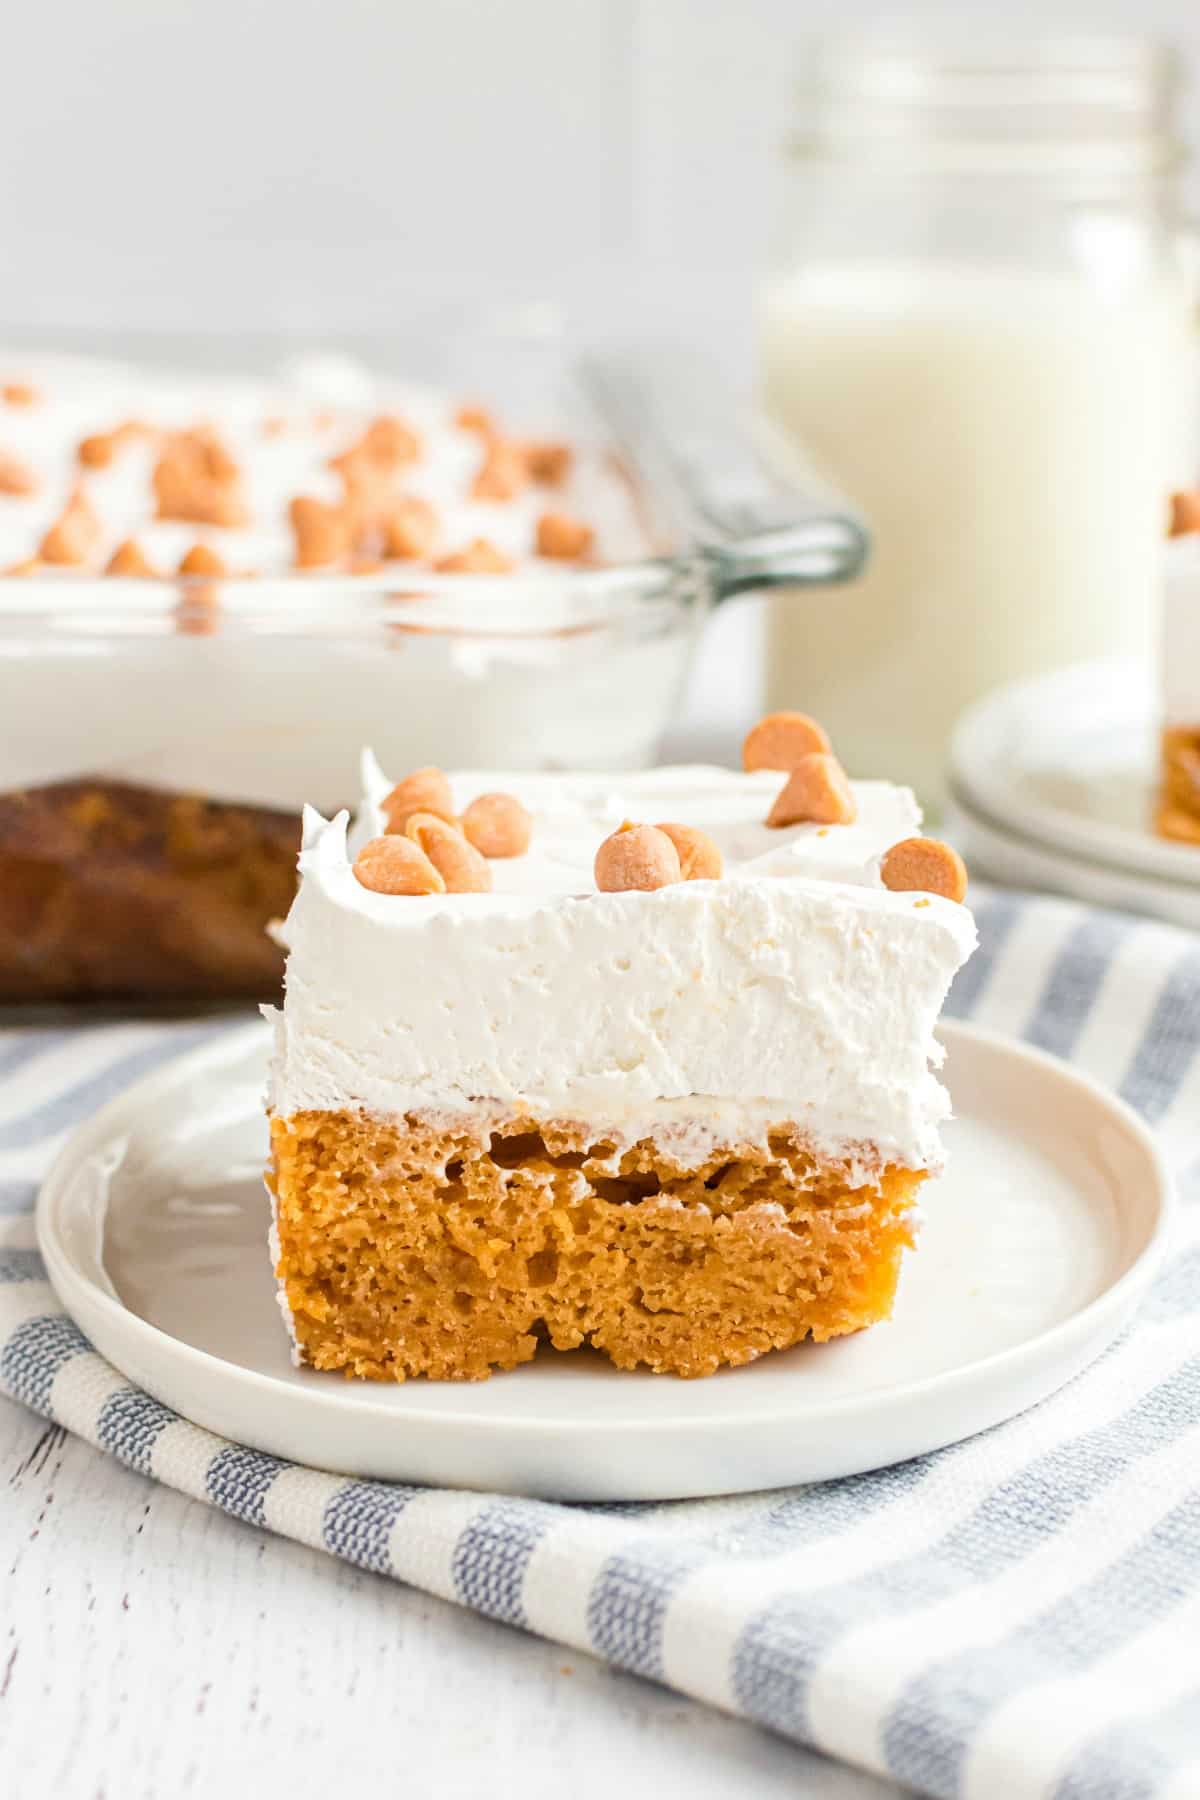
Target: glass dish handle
{"x":739,"y":491}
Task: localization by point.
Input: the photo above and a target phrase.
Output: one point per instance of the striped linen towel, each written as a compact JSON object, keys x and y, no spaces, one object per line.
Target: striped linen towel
{"x":1014,"y":1616}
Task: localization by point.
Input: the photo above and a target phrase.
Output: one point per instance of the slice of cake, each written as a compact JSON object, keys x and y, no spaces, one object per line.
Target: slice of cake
{"x":545,"y":1074}
{"x":1178,"y":814}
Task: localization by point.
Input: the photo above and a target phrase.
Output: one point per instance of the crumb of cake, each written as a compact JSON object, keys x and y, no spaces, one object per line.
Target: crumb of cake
{"x":780,"y":739}
{"x":924,"y":866}
{"x":816,"y":792}
{"x":1178,"y":813}
{"x":415,"y":1248}
{"x":637,"y":857}
{"x":20,"y":393}
{"x":480,"y":557}
{"x":16,"y":477}
{"x":410,"y":528}
{"x":396,"y":865}
{"x":476,"y":419}
{"x":498,"y":825}
{"x":462,"y":868}
{"x":130,"y":559}
{"x":74,"y":534}
{"x":319,"y":531}
{"x":502,"y":474}
{"x":1185,"y":512}
{"x":202,"y":559}
{"x":559,"y":535}
{"x":424,"y":791}
{"x":699,"y":857}
{"x":548,"y":460}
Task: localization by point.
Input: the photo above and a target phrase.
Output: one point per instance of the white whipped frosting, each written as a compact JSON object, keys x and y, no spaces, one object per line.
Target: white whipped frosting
{"x":324,"y":403}
{"x":1181,"y":631}
{"x":797,"y":987}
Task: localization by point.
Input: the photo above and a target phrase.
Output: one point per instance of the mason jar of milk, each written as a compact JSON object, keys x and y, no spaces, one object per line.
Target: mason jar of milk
{"x":980,"y":320}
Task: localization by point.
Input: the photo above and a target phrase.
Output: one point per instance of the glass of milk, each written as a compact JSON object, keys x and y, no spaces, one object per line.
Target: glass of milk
{"x":981,"y":321}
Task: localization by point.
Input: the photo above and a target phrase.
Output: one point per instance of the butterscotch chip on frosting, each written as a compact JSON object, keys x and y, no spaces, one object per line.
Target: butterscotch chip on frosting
{"x":197,"y":480}
{"x":548,"y":461}
{"x":559,"y":535}
{"x":480,"y":557}
{"x":395,"y":865}
{"x":409,"y":528}
{"x":699,"y":857}
{"x":637,"y":857}
{"x":1185,"y":512}
{"x":459,"y":863}
{"x":320,"y":532}
{"x":780,"y":739}
{"x":16,"y":477}
{"x":424,"y":791}
{"x":477,"y":419}
{"x":502,"y":474}
{"x":202,"y":559}
{"x":498,"y":825}
{"x":74,"y":534}
{"x":130,"y":559}
{"x":19,"y":393}
{"x":817,"y":792}
{"x":924,"y":866}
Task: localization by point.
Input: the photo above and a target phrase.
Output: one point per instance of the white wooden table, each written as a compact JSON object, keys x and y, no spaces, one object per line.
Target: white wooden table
{"x":151,"y":1647}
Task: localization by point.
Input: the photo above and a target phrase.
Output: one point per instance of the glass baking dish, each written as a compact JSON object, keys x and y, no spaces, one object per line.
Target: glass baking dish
{"x":160,"y":736}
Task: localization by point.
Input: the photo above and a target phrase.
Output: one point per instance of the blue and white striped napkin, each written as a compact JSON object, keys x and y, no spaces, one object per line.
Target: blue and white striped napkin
{"x":1015,"y":1616}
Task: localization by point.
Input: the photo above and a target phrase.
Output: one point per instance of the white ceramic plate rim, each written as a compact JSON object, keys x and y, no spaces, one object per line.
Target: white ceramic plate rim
{"x":1110,"y":1304}
{"x":981,"y":758}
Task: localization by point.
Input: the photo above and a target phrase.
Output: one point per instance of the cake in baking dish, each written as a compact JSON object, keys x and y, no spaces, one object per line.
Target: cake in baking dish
{"x":1178,"y":814}
{"x":642,"y":1063}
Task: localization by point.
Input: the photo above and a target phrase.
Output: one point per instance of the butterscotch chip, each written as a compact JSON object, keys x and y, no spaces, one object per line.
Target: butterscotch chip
{"x":924,"y":866}
{"x":390,"y":441}
{"x":31,"y":565}
{"x":477,"y":419}
{"x":197,"y":480}
{"x":498,"y":825}
{"x":395,"y":865}
{"x":816,"y":792}
{"x":424,"y":791}
{"x":275,"y":426}
{"x":20,"y":393}
{"x":699,"y":858}
{"x":503,"y":472}
{"x":130,"y":559}
{"x":73,"y":536}
{"x":1185,"y":512}
{"x":320,"y":532}
{"x":410,"y":528}
{"x":202,"y":559}
{"x":459,"y":863}
{"x":637,"y":857}
{"x":16,"y":477}
{"x":363,"y":563}
{"x":481,"y":557}
{"x":560,"y":535}
{"x":548,"y":461}
{"x":781,"y":739}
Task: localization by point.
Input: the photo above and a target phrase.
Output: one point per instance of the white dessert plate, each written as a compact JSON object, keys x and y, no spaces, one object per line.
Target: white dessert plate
{"x":1036,"y":1247}
{"x":996,"y":853}
{"x":1069,"y":761}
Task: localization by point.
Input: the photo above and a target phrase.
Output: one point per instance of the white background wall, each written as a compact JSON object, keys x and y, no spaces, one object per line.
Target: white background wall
{"x":325,"y":167}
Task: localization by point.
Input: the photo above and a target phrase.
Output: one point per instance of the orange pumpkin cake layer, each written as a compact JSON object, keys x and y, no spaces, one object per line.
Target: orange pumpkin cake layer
{"x":423,"y":1247}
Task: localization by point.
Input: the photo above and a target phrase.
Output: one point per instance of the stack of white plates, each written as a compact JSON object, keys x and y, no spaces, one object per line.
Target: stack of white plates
{"x":1052,"y":785}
